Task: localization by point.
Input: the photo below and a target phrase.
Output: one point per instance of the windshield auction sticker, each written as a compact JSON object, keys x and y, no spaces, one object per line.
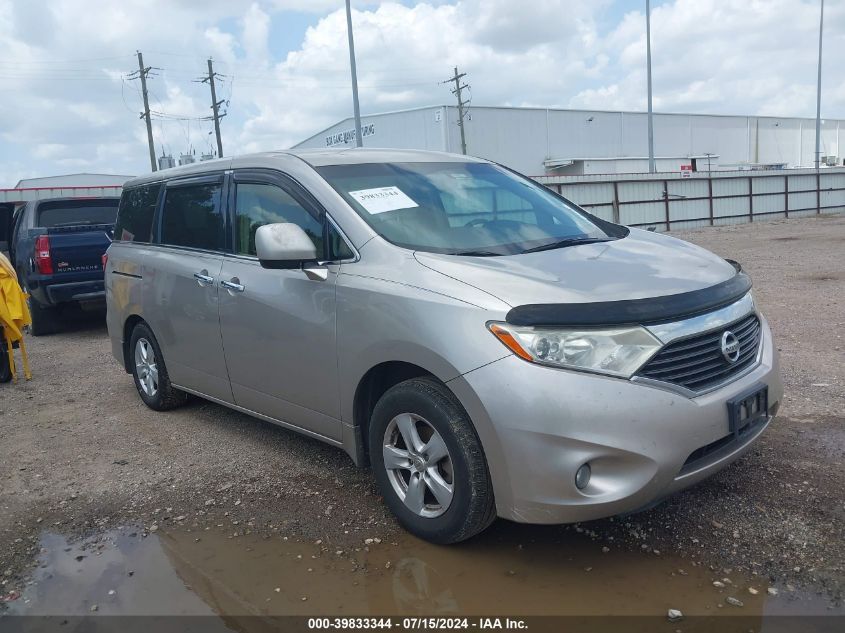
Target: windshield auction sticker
{"x":383,"y":199}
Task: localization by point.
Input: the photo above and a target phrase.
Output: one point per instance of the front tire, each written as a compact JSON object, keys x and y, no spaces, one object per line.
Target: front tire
{"x":150,"y":373}
{"x":429,"y":464}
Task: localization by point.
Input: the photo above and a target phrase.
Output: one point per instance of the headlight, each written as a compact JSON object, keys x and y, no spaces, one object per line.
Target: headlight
{"x":618,"y":351}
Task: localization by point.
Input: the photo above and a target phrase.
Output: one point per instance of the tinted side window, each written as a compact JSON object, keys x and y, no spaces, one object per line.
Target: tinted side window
{"x":17,"y":221}
{"x":259,"y":204}
{"x":6,"y":221}
{"x":192,"y":217}
{"x":135,"y":215}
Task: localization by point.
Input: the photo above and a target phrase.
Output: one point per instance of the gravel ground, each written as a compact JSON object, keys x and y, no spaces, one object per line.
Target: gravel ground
{"x":81,"y":453}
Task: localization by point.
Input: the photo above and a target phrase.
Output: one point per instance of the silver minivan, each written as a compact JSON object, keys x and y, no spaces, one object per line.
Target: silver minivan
{"x":486,"y":346}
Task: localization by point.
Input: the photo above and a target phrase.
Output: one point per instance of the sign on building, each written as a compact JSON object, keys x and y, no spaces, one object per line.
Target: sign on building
{"x":348,"y":136}
{"x":686,"y":171}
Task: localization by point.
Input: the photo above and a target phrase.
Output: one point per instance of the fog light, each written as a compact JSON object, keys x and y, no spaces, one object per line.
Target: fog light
{"x":582,"y":477}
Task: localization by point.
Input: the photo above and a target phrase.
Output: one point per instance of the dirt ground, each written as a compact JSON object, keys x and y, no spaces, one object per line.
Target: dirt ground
{"x":80,"y":453}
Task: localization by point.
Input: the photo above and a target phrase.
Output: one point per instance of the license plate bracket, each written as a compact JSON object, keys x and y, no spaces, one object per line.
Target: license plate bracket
{"x":748,"y":409}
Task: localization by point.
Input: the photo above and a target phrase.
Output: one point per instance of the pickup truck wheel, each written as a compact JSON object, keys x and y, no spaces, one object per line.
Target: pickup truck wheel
{"x":429,"y":464}
{"x":150,"y":372}
{"x":5,"y":370}
{"x":44,"y":320}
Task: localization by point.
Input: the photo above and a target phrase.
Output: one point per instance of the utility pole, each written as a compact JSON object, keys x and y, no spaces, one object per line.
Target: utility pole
{"x":819,"y":92}
{"x":651,"y":165}
{"x":357,"y":110}
{"x":143,"y":71}
{"x":461,"y":104}
{"x":215,"y":105}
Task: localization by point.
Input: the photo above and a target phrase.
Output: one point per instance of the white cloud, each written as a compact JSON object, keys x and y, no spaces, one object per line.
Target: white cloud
{"x":50,"y":150}
{"x":256,"y":28}
{"x":66,"y":102}
{"x":726,"y":56}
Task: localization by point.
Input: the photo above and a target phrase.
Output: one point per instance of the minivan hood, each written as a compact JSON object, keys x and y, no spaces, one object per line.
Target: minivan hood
{"x":638,"y":266}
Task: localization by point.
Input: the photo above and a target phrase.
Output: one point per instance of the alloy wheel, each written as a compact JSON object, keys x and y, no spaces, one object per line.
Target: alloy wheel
{"x":418,"y":465}
{"x":145,"y":367}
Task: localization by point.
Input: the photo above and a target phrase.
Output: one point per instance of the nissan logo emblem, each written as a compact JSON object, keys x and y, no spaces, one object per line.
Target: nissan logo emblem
{"x":730,"y":347}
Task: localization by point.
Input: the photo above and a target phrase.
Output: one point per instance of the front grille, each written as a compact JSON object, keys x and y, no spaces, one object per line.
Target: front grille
{"x":697,"y":363}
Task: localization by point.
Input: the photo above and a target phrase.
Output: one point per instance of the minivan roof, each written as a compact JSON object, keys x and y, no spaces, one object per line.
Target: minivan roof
{"x":316,"y":157}
{"x":320,"y":157}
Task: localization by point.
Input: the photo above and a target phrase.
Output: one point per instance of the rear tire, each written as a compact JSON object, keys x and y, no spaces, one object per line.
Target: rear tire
{"x":5,"y":370}
{"x":150,"y":373}
{"x":436,"y":479}
{"x":44,"y":320}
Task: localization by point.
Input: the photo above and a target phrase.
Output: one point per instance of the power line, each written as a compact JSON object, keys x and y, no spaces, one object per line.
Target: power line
{"x":70,"y":60}
{"x":123,"y":94}
{"x":50,"y":78}
{"x":164,"y":116}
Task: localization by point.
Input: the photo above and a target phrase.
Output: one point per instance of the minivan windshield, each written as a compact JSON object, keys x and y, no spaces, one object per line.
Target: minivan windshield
{"x":460,"y":208}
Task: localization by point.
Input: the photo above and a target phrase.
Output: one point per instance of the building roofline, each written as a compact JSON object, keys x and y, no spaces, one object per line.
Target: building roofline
{"x":83,"y":173}
{"x":643,"y":112}
{"x":363,"y":116}
{"x":597,"y":158}
{"x":326,"y":129}
{"x":576,"y":110}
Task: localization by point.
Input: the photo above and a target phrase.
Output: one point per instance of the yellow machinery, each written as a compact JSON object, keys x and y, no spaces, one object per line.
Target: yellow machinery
{"x":14,"y":315}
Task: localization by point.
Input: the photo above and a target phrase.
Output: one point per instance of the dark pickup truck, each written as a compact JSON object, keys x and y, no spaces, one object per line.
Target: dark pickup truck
{"x":57,"y":248}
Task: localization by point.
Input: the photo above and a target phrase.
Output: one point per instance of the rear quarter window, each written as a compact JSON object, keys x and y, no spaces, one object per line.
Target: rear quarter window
{"x":59,"y":213}
{"x":135,"y":216}
{"x":192,"y":216}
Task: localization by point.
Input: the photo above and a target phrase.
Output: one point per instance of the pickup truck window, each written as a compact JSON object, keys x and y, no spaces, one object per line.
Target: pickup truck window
{"x":135,"y":216}
{"x":76,"y":213}
{"x":192,"y":217}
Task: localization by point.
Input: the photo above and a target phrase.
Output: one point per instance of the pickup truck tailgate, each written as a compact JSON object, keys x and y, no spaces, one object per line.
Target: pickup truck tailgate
{"x":77,"y":249}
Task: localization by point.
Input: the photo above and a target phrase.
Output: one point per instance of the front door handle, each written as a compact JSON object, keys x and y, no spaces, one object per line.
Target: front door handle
{"x":233,"y":285}
{"x":203,"y":278}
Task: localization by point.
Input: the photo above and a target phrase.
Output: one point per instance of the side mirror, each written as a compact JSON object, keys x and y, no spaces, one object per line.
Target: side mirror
{"x":284,"y":245}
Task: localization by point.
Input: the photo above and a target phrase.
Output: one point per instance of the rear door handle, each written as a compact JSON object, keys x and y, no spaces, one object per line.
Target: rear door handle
{"x":233,"y":285}
{"x":203,"y":278}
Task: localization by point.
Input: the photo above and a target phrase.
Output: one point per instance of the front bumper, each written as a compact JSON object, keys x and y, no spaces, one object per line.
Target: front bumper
{"x":538,"y":425}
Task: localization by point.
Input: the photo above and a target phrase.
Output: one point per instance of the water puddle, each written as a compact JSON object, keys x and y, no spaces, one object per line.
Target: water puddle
{"x":510,"y":571}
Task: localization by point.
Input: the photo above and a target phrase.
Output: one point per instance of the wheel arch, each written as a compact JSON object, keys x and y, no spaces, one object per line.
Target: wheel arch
{"x":371,"y":387}
{"x":131,"y":322}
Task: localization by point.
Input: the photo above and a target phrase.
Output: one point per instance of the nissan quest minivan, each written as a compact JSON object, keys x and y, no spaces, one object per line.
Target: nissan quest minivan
{"x":487,"y":346}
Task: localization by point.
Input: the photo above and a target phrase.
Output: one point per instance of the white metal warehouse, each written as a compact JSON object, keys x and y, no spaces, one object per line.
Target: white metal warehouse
{"x":546,"y":141}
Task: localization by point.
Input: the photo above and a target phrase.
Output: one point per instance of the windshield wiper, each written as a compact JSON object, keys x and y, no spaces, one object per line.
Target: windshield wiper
{"x":476,"y":254}
{"x":571,"y":241}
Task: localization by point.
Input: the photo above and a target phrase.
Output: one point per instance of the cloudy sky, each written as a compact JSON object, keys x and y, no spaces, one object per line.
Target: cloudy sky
{"x":68,"y":106}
